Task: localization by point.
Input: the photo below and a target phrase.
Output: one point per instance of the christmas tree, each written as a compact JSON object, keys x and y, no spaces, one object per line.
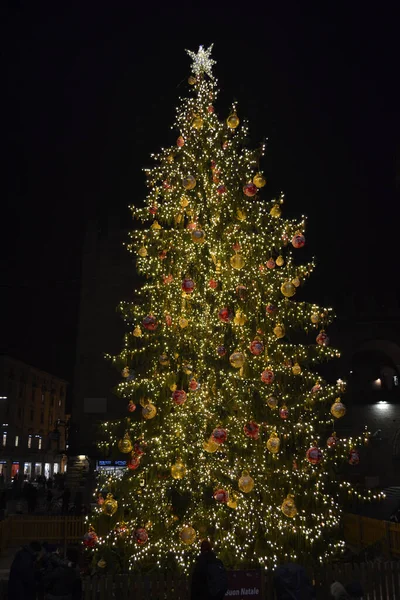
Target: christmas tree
{"x":229,"y":432}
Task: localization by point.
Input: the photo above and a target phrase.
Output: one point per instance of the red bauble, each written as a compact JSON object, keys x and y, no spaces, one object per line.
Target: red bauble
{"x":90,"y":539}
{"x":331,"y":441}
{"x":216,"y":177}
{"x":252,"y":430}
{"x":150,"y":323}
{"x":221,"y":495}
{"x":241,"y":291}
{"x":237,"y":247}
{"x":298,"y":240}
{"x":131,"y":406}
{"x":180,"y":141}
{"x":210,"y":108}
{"x":188,"y":285}
{"x":168,"y":320}
{"x":219,"y":435}
{"x":354,"y":457}
{"x":213,"y":284}
{"x":283,"y":412}
{"x":193,"y":385}
{"x":270,"y":309}
{"x":167,"y":279}
{"x":221,"y":350}
{"x":322,"y":339}
{"x":267,"y":376}
{"x":256,"y":347}
{"x":271,"y":263}
{"x":221,"y":189}
{"x":133,"y":463}
{"x":179,"y":397}
{"x":139,"y":448}
{"x":153,"y":209}
{"x":141,"y":535}
{"x":191,"y":226}
{"x":250,"y":189}
{"x":166,"y":185}
{"x":314,"y":455}
{"x":225,"y":315}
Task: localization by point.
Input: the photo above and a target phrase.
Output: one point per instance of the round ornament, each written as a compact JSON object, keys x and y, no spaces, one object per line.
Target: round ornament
{"x":141,"y":536}
{"x":153,"y":209}
{"x":322,"y":339}
{"x":259,"y":180}
{"x":166,"y":185}
{"x":298,"y":240}
{"x":271,"y":263}
{"x":237,"y":360}
{"x":133,"y":463}
{"x":180,"y":141}
{"x":183,"y":322}
{"x":289,"y":507}
{"x":179,"y":397}
{"x":256,"y":347}
{"x":125,"y":444}
{"x":221,"y":495}
{"x":150,"y":323}
{"x":219,"y":435}
{"x":110,"y":505}
{"x":252,"y":430}
{"x":213,"y":284}
{"x":225,"y":315}
{"x":142,"y":251}
{"x":270,"y":309}
{"x":267,"y":376}
{"x":197,"y":123}
{"x":240,"y":318}
{"x":90,"y":538}
{"x":338,"y":409}
{"x":250,"y":190}
{"x":189,"y":182}
{"x":131,"y":406}
{"x":354,"y":457}
{"x":237,"y":261}
{"x":314,"y":318}
{"x":221,"y":189}
{"x":210,"y":446}
{"x":163,"y":360}
{"x":137,"y":332}
{"x":246,"y":482}
{"x":280,"y":261}
{"x":221,"y":350}
{"x":178,"y":470}
{"x":168,"y":320}
{"x":188,"y":535}
{"x":274,"y":443}
{"x":331,"y":441}
{"x":188,"y":285}
{"x":193,"y":385}
{"x":210,"y":109}
{"x":216,"y":177}
{"x":192,"y":80}
{"x":279,"y":331}
{"x":149,"y":411}
{"x":272,"y":402}
{"x":314,"y":455}
{"x":283,"y":412}
{"x":296,"y":282}
{"x":233,"y":501}
{"x":125,"y":372}
{"x":232,"y":121}
{"x":198,"y":236}
{"x":275,"y":211}
{"x":288,"y":289}
{"x":296,"y":369}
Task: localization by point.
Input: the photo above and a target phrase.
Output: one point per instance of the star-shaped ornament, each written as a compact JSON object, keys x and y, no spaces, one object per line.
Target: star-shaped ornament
{"x":202,"y":61}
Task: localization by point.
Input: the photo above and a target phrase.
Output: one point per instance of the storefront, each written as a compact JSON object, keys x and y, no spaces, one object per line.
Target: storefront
{"x":111,"y":466}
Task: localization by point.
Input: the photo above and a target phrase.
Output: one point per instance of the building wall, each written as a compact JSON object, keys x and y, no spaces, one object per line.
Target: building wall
{"x":32,"y":402}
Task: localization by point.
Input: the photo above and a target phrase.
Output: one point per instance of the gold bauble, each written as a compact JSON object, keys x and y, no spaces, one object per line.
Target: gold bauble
{"x":274,"y":443}
{"x":149,"y":411}
{"x":314,"y":318}
{"x":240,"y":318}
{"x":125,"y":444}
{"x":156,"y":225}
{"x":125,"y":372}
{"x":102,"y":564}
{"x":210,"y":446}
{"x":338,"y":409}
{"x":296,"y":282}
{"x":288,"y":507}
{"x":163,"y":360}
{"x":288,"y":289}
{"x":183,"y":322}
{"x":233,"y":501}
{"x":184,"y":201}
{"x":188,"y":535}
{"x":178,"y":470}
{"x":237,"y":360}
{"x":275,"y":211}
{"x":198,"y":236}
{"x":280,"y":261}
{"x":137,"y":332}
{"x":232,"y":121}
{"x":240,"y":215}
{"x":192,"y":80}
{"x":237,"y":261}
{"x":189,"y":182}
{"x":197,"y":122}
{"x":246,"y":482}
{"x":110,"y":505}
{"x":279,"y":331}
{"x":296,"y":369}
{"x":142,"y":251}
{"x":272,"y":402}
{"x":259,"y":180}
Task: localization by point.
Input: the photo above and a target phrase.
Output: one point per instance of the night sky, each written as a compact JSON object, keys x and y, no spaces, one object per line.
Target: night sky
{"x":90,"y":91}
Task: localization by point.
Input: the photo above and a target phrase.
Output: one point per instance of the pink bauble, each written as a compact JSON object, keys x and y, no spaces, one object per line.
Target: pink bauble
{"x":331,"y":441}
{"x":298,"y":240}
{"x":219,"y":435}
{"x":221,"y":495}
{"x":225,"y":315}
{"x":188,"y":285}
{"x":252,"y":430}
{"x":221,"y":189}
{"x":210,"y":109}
{"x":150,"y":323}
{"x":322,"y":339}
{"x":267,"y":376}
{"x":250,"y":189}
{"x":141,"y":535}
{"x":180,"y":141}
{"x":179,"y":397}
{"x":271,"y":263}
{"x":314,"y":455}
{"x":213,"y":284}
{"x":270,"y":309}
{"x":283,"y":412}
{"x":193,"y":385}
{"x":256,"y":347}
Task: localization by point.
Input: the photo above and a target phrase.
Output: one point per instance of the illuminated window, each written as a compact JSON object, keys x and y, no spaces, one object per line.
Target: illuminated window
{"x":4,"y":438}
{"x":396,"y":380}
{"x":16,"y":440}
{"x":40,"y":443}
{"x":29,"y":441}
